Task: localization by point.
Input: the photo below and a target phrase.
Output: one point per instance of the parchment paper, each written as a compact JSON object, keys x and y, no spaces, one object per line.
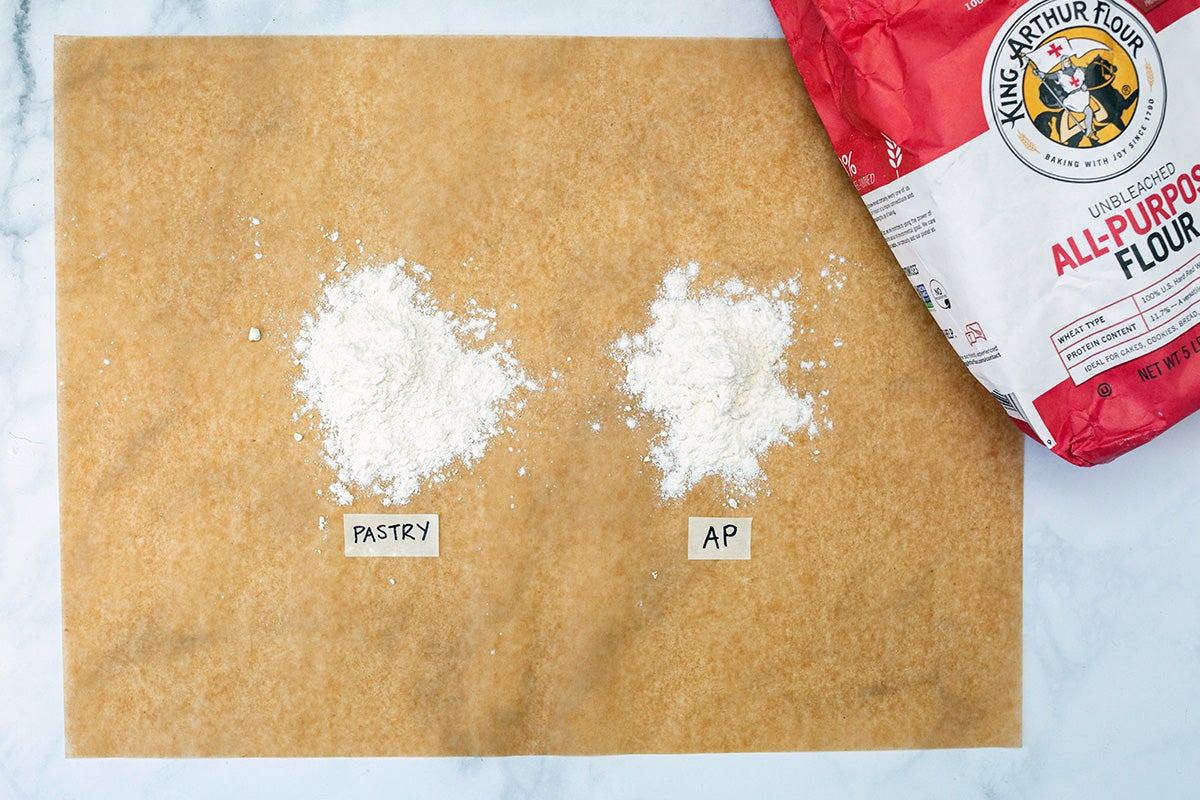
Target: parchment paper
{"x":206,"y":611}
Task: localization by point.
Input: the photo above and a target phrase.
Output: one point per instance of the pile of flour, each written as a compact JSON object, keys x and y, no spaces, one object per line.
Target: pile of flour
{"x":401,"y":399}
{"x":710,"y":369}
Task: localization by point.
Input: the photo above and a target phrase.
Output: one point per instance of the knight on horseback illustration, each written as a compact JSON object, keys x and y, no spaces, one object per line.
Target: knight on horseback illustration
{"x":1082,"y":108}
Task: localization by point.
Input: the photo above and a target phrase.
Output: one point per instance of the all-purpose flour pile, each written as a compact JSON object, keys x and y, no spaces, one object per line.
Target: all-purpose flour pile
{"x":401,"y":399}
{"x":710,"y":368}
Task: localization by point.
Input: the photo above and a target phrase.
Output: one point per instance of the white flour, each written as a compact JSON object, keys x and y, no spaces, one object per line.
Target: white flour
{"x":710,"y":368}
{"x":401,"y":400}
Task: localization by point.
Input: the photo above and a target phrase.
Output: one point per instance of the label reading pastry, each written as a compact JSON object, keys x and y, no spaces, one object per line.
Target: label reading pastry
{"x":404,"y":535}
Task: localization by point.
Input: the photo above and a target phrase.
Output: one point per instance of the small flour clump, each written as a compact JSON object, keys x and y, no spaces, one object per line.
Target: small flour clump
{"x":710,"y":368}
{"x":401,"y":400}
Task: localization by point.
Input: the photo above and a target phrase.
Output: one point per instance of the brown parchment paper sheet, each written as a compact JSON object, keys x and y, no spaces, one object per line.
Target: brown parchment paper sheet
{"x":206,"y":613}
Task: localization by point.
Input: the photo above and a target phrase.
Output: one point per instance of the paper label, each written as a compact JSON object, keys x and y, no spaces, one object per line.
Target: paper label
{"x":391,"y":535}
{"x":719,"y":538}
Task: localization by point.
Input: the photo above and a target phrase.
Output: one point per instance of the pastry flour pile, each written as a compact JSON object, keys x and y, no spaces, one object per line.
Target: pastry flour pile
{"x":710,"y":369}
{"x":401,"y":400}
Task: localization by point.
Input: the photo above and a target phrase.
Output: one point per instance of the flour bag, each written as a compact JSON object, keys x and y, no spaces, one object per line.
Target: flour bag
{"x":1035,"y":168}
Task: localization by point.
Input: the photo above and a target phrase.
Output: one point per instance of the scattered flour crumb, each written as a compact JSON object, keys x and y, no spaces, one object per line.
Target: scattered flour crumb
{"x":254,"y":335}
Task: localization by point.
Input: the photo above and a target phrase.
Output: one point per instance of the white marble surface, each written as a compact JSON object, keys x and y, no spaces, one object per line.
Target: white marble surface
{"x":1112,"y":600}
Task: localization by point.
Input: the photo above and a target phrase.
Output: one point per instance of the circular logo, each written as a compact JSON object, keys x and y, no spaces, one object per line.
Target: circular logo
{"x":1076,"y":89}
{"x":938,"y":294}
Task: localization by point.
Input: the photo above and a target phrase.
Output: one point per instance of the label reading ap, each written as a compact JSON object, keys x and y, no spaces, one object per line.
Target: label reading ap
{"x":411,"y":535}
{"x":719,"y":538}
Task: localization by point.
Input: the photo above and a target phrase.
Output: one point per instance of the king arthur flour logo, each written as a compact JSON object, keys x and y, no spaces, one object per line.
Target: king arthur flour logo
{"x":1076,"y":89}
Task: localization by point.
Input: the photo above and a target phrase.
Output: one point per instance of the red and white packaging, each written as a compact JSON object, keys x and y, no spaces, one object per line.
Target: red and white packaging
{"x":1035,"y":168}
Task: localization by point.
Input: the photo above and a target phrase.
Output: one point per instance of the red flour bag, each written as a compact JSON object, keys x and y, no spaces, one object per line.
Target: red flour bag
{"x":1035,"y":168}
